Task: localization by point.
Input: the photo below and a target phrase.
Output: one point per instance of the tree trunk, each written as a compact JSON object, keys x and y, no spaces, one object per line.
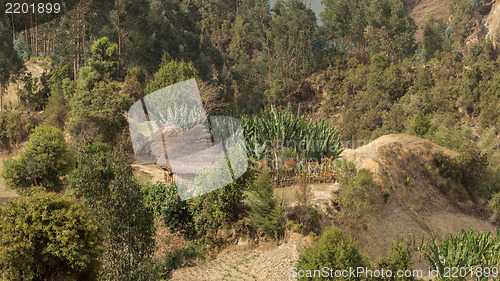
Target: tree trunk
{"x":44,"y":45}
{"x":36,"y":35}
{"x":26,"y":37}
{"x":1,"y":97}
{"x":119,"y":34}
{"x":13,"y":29}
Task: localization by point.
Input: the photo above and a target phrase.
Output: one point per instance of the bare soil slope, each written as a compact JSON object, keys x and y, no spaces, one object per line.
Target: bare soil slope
{"x":404,"y":165}
{"x":421,"y":10}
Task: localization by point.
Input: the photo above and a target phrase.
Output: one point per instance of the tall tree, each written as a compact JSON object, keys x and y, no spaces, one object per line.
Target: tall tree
{"x":293,"y":30}
{"x":105,"y":180}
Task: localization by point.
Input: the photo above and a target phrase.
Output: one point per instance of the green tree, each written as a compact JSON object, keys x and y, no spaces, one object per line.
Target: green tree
{"x":292,"y":32}
{"x":44,"y":162}
{"x":97,"y":109}
{"x":432,"y":40}
{"x":171,"y":72}
{"x":265,"y":213}
{"x":47,"y":236}
{"x":391,"y":29}
{"x":360,"y":195}
{"x":398,"y":259}
{"x":10,"y":63}
{"x":105,"y":180}
{"x":105,"y":56}
{"x":335,"y":251}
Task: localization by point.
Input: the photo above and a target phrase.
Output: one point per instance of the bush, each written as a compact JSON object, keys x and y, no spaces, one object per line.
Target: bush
{"x":43,"y":163}
{"x":360,"y":196}
{"x":398,"y":259}
{"x":421,"y":124}
{"x":265,"y":214}
{"x":218,"y":208}
{"x":165,"y":203}
{"x":13,"y":129}
{"x":46,"y":236}
{"x":495,"y":203}
{"x":57,"y":111}
{"x":335,"y":251}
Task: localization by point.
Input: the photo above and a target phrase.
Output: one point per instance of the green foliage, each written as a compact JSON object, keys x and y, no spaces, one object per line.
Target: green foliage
{"x":275,"y":129}
{"x":57,"y":111}
{"x":105,"y":56}
{"x":360,"y":195}
{"x":470,"y":169}
{"x":432,"y":40}
{"x":165,"y":203}
{"x":334,"y":250}
{"x":265,"y":213}
{"x":171,"y":72}
{"x":398,"y":259}
{"x":218,"y":208}
{"x":13,"y":129}
{"x":34,"y":92}
{"x":97,"y":111}
{"x":43,"y":163}
{"x":57,"y":76}
{"x":290,"y":54}
{"x":468,"y":249}
{"x":495,"y":203}
{"x":276,"y":93}
{"x":46,"y":236}
{"x":105,"y":180}
{"x":421,"y":124}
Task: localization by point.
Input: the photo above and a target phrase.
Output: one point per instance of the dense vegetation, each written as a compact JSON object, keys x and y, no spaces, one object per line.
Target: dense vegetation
{"x":300,"y":90}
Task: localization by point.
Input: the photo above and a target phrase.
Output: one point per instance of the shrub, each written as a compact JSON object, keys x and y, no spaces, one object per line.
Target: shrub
{"x":43,"y":163}
{"x":421,"y":124}
{"x":265,"y":214}
{"x":398,"y":259}
{"x":46,"y":236}
{"x":335,"y":251}
{"x":165,"y":203}
{"x":360,"y":195}
{"x":57,"y":111}
{"x":495,"y":203}
{"x":13,"y":129}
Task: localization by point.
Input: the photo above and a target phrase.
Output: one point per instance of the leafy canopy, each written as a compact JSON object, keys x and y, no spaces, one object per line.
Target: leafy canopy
{"x":47,"y":236}
{"x":44,"y":162}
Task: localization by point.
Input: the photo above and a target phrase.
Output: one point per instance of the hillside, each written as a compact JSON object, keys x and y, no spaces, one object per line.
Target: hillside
{"x":398,"y":162}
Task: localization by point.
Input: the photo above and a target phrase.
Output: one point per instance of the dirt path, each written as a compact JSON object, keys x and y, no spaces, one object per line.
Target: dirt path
{"x":268,"y":262}
{"x":150,"y":169}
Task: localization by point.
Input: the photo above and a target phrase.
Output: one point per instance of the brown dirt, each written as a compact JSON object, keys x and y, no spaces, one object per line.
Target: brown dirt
{"x":404,"y":165}
{"x":153,"y":170}
{"x":36,"y":69}
{"x":266,"y":262}
{"x":421,"y":10}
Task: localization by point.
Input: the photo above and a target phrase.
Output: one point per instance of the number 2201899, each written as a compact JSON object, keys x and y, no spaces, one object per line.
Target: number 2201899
{"x":40,"y":8}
